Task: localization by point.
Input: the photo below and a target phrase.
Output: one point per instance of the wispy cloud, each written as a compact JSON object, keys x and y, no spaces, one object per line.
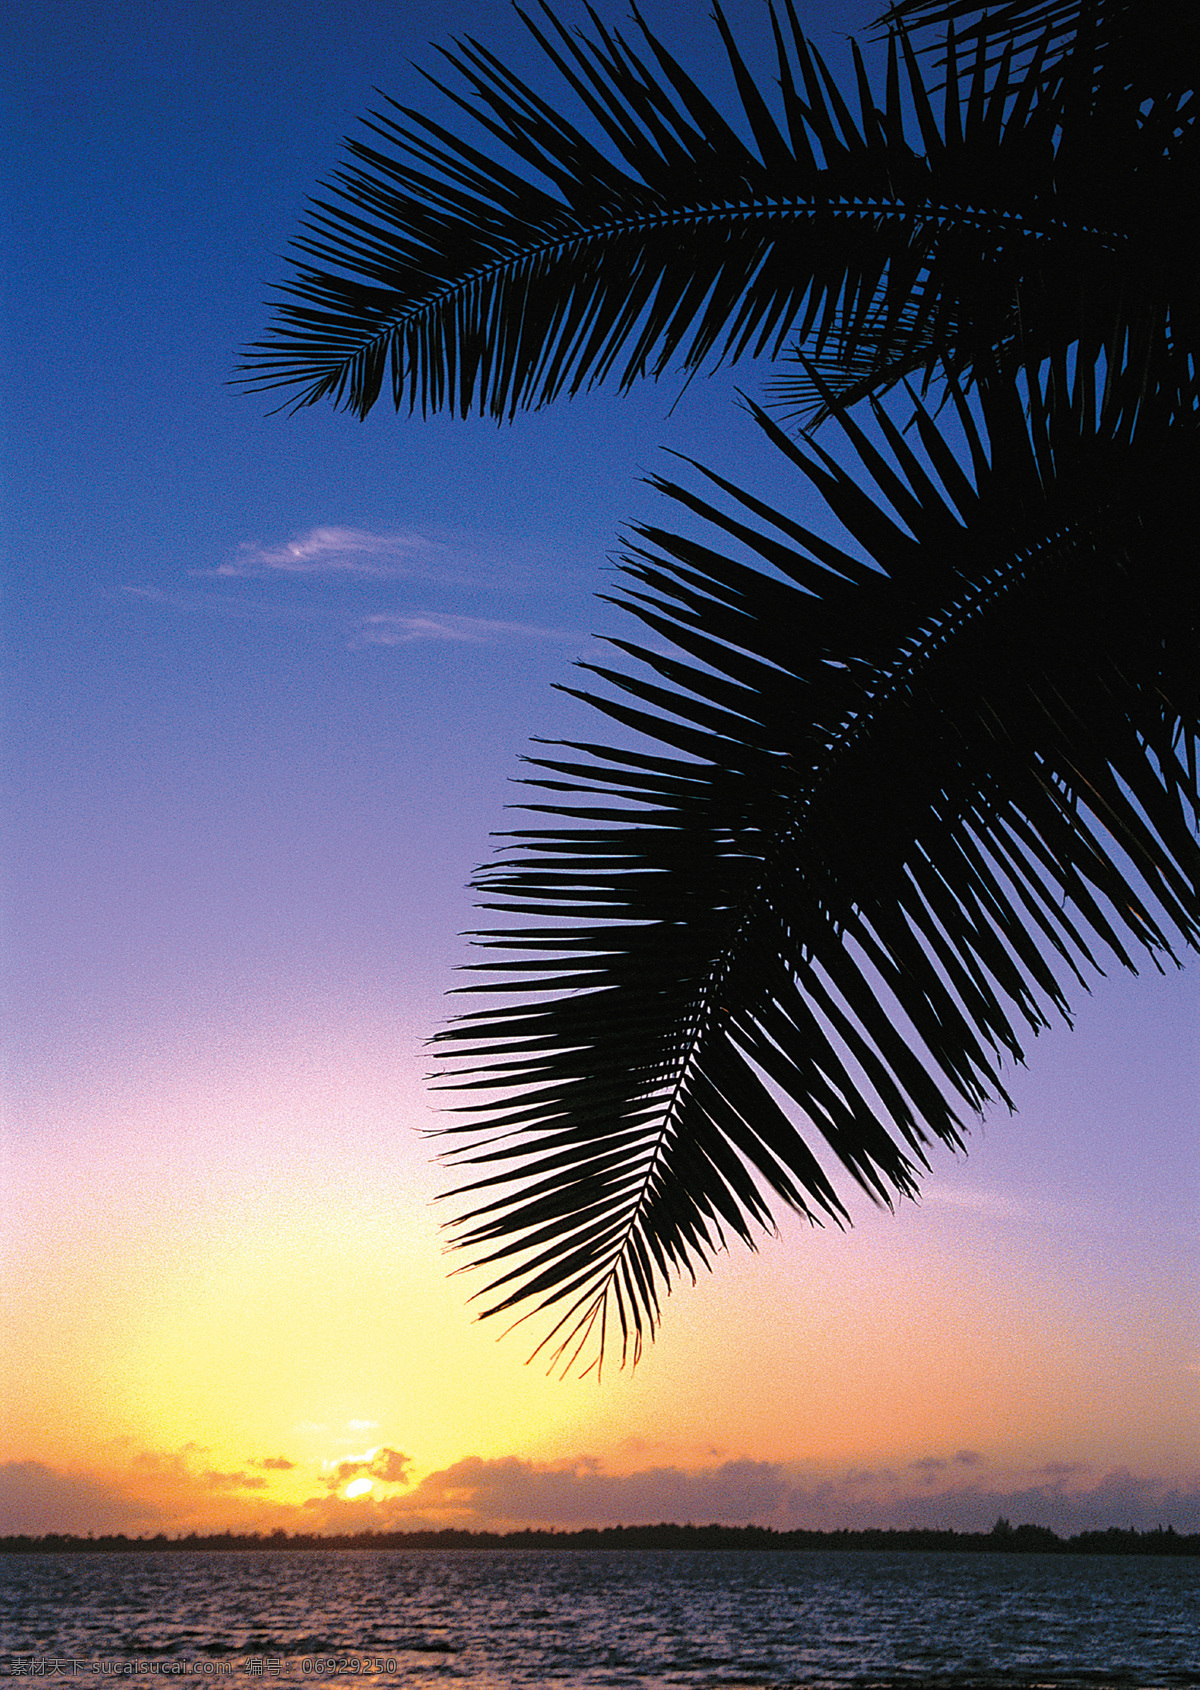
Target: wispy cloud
{"x":992,"y":1205}
{"x":391,"y":628}
{"x":340,"y":551}
{"x":386,"y":628}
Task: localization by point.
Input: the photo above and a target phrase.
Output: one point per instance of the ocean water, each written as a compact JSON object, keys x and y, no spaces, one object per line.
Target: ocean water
{"x":495,"y":1619}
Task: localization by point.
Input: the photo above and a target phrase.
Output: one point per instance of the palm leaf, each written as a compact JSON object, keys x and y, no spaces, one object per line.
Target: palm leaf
{"x":1015,"y":25}
{"x":657,"y":230}
{"x":1133,"y":65}
{"x":1151,"y":44}
{"x":879,"y":807}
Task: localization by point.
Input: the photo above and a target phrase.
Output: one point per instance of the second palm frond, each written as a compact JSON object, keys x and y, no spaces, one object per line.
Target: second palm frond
{"x":878,"y":810}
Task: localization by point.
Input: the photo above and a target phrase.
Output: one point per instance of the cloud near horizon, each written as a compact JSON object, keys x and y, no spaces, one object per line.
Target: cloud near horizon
{"x":240,"y":1480}
{"x":386,"y":1465}
{"x":508,"y":1493}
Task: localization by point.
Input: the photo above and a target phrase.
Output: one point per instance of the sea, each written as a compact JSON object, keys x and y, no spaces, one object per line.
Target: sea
{"x":481,"y":1619}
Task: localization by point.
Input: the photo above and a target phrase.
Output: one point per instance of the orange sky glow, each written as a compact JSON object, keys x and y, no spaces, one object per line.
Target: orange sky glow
{"x":225,"y":1318}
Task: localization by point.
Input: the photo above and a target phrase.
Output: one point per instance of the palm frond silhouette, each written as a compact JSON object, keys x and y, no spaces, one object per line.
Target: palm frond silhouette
{"x":894,"y":797}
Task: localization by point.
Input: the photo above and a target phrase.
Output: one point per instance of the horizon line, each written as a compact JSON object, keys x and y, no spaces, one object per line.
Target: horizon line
{"x":1003,"y":1538}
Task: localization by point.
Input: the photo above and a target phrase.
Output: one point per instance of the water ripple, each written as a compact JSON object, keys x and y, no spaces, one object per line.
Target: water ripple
{"x":590,"y":1620}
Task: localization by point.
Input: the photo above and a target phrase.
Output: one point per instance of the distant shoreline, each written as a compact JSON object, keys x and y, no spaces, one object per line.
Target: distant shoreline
{"x":1002,"y":1539}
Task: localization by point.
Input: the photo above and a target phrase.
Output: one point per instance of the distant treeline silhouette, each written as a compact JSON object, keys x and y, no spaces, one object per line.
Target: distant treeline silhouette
{"x":1003,"y":1537}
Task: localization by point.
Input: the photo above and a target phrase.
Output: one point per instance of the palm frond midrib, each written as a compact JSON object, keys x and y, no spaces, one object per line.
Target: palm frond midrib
{"x":928,"y":210}
{"x":742,"y":916}
{"x":343,"y":296}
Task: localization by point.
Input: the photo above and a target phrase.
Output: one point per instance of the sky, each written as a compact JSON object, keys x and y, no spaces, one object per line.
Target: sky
{"x":268,"y":684}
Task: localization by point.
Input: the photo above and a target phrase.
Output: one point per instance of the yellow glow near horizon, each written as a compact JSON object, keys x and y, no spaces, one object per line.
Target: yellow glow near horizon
{"x":211,"y":1310}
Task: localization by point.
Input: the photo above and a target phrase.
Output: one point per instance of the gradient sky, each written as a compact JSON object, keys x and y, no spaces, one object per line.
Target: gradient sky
{"x":268,"y":683}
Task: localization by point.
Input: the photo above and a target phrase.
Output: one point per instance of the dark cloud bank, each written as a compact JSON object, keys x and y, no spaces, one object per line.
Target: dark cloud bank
{"x":508,"y":1494}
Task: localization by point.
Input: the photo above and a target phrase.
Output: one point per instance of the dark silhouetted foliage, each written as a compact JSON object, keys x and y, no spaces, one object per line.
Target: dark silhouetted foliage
{"x":895,"y":797}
